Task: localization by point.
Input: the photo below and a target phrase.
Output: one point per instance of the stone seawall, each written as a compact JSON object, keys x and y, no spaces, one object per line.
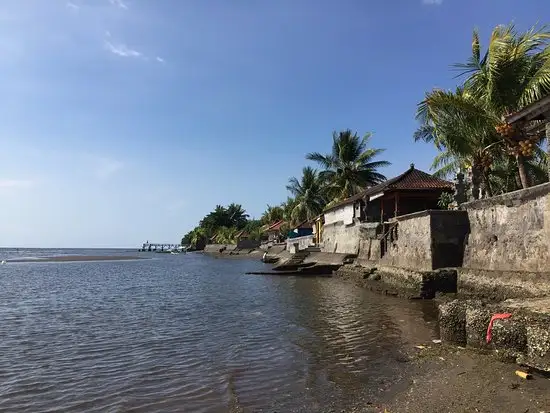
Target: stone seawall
{"x":510,"y":232}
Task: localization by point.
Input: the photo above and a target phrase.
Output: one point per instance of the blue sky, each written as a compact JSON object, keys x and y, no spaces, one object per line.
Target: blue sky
{"x":127,"y":120}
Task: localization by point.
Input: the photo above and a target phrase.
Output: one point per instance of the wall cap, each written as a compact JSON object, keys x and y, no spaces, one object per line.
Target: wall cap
{"x":509,"y":199}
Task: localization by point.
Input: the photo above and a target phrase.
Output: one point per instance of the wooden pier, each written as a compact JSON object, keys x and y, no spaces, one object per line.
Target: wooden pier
{"x":153,"y":246}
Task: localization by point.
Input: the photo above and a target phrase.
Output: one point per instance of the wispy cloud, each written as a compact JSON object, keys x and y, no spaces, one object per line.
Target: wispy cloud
{"x":15,"y":183}
{"x":119,"y":3}
{"x":121,"y":49}
{"x":71,"y":6}
{"x":160,"y":60}
{"x":105,"y":168}
{"x":432,"y":2}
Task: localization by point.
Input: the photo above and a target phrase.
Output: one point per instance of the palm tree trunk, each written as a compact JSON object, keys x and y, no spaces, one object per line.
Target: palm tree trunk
{"x":523,"y":176}
{"x":488,"y":191}
{"x":476,"y":180}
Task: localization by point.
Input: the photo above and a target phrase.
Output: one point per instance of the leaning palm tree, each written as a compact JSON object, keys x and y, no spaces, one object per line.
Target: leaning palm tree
{"x":468,"y":123}
{"x":350,"y":167}
{"x":463,"y":130}
{"x":309,"y":195}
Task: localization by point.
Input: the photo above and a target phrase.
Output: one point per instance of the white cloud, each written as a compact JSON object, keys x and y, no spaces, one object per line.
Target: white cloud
{"x":119,"y":3}
{"x":15,"y":183}
{"x":72,"y":6}
{"x":160,"y":60}
{"x":121,"y":49}
{"x":432,"y":2}
{"x":105,"y":168}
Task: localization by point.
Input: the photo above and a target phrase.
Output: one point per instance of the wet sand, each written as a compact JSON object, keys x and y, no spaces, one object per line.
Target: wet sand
{"x":456,"y":380}
{"x":76,"y":258}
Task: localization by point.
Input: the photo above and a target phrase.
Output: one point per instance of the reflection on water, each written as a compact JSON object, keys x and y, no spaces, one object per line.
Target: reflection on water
{"x":192,"y":333}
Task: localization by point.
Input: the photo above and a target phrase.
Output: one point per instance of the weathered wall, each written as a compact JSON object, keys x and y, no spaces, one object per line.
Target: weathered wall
{"x":428,"y":240}
{"x":341,"y":238}
{"x":302,"y":242}
{"x":248,"y":244}
{"x":510,"y":232}
{"x":413,"y":247}
{"x":344,"y":215}
{"x":219,"y":248}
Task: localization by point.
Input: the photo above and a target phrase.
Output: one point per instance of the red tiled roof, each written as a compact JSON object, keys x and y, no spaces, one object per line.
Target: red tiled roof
{"x":412,"y":179}
{"x":275,"y":226}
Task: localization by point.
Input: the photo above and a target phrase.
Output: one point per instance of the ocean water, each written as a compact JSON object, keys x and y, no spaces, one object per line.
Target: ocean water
{"x":191,"y":333}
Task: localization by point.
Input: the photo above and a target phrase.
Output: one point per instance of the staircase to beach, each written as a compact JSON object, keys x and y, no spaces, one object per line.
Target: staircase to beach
{"x":297,"y":258}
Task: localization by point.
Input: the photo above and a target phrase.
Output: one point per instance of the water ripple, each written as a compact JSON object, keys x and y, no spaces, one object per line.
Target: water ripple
{"x":190,"y":333}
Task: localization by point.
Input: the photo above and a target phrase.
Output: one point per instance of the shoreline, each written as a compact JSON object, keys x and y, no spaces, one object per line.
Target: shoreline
{"x":440,"y":378}
{"x":443,"y":376}
{"x":75,"y":258}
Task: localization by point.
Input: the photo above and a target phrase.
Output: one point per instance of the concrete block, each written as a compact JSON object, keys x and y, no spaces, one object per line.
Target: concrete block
{"x":452,"y":322}
{"x":510,"y":334}
{"x":477,"y":321}
{"x":538,"y":346}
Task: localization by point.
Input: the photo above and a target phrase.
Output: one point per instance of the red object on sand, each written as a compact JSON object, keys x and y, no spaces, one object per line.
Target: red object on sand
{"x":500,"y":316}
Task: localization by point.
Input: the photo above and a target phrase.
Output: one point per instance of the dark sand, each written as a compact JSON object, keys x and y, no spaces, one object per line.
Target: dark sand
{"x":74,"y":258}
{"x":457,"y":380}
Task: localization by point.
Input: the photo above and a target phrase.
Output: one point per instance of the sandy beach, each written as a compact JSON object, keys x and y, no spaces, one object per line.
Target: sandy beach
{"x":456,"y":380}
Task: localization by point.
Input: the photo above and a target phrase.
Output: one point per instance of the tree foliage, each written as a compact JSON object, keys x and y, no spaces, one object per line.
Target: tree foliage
{"x":466,"y":124}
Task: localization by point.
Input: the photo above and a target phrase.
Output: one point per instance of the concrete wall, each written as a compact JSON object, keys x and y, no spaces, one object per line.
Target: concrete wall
{"x":248,"y":244}
{"x":218,"y":248}
{"x":299,"y":243}
{"x":343,"y":215}
{"x":428,"y":240}
{"x":510,"y":232}
{"x":413,"y":247}
{"x":340,"y":238}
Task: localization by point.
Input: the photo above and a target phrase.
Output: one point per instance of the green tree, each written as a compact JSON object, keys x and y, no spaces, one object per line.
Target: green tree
{"x":467,"y":125}
{"x":309,"y":195}
{"x":351,"y":166}
{"x":236,"y":215}
{"x":272,"y":214}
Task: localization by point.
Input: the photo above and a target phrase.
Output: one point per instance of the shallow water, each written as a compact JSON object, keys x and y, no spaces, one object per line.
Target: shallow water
{"x":190,"y":333}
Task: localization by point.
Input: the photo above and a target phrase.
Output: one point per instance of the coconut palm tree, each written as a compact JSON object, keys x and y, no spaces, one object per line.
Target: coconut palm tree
{"x":468,"y":123}
{"x":272,"y":214}
{"x":350,"y":167}
{"x":464,"y":132}
{"x":237,"y":215}
{"x":309,"y":195}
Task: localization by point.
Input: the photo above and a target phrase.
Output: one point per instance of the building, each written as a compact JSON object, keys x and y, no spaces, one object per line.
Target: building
{"x":274,"y":233}
{"x":303,"y":229}
{"x":363,"y":215}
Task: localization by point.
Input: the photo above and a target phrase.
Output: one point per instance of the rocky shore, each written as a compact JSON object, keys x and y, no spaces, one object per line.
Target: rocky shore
{"x":464,"y":372}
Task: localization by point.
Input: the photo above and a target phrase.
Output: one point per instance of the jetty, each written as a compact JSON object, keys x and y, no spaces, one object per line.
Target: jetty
{"x":154,"y":246}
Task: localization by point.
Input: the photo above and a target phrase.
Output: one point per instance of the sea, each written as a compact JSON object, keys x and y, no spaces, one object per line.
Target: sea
{"x":193,"y":333}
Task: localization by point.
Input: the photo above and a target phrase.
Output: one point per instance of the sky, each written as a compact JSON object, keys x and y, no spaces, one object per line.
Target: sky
{"x":128,"y":120}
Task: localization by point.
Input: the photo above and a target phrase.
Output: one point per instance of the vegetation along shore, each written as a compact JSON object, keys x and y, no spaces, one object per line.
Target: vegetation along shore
{"x":472,"y":234}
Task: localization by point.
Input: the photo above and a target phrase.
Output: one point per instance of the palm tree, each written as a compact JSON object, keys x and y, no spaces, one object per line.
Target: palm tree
{"x":350,"y":167}
{"x":464,"y":132}
{"x":309,"y":195}
{"x":272,"y":214}
{"x":197,"y":238}
{"x":237,"y":215}
{"x":467,"y":124}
